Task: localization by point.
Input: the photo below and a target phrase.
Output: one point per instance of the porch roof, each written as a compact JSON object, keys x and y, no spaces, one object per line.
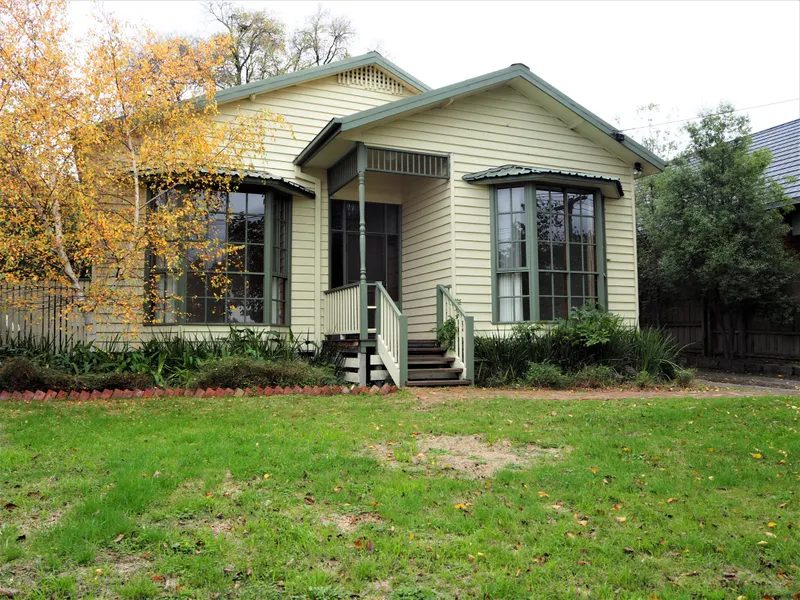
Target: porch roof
{"x":518,"y":76}
{"x":610,"y":186}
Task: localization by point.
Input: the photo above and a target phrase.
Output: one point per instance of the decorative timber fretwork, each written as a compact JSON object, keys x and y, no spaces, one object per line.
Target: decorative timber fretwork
{"x":371,"y":78}
{"x":385,"y":160}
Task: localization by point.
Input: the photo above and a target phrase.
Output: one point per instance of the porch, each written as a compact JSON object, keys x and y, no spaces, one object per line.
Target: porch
{"x":390,"y":264}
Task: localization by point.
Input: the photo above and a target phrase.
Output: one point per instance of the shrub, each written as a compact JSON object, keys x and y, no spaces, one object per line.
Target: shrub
{"x":587,"y":337}
{"x":595,"y":376}
{"x":684,"y":377}
{"x":547,"y":376}
{"x":20,"y":374}
{"x":236,"y":372}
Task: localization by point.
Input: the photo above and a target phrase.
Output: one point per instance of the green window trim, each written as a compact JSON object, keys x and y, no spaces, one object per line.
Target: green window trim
{"x":176,"y":315}
{"x":531,"y":267}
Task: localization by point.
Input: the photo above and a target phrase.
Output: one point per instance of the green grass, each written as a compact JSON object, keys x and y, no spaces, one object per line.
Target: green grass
{"x":170,"y":498}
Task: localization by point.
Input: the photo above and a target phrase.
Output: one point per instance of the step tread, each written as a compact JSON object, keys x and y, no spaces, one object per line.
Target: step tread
{"x":424,"y":360}
{"x":437,"y":382}
{"x":425,"y":350}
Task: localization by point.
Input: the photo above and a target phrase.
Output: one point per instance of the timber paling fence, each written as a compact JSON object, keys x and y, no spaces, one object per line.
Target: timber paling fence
{"x":694,"y":328}
{"x":40,"y":312}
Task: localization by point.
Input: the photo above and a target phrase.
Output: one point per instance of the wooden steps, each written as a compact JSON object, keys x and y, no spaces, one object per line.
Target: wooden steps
{"x":428,"y":366}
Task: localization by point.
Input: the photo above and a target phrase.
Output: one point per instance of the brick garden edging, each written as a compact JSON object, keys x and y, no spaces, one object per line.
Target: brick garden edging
{"x":195,"y":392}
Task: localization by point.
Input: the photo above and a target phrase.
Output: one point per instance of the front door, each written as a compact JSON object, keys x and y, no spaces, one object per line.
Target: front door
{"x":383,"y":245}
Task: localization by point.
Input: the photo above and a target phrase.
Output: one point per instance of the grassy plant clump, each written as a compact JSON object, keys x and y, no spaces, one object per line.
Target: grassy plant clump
{"x":547,"y":375}
{"x":240,"y":372}
{"x":587,"y":338}
{"x":595,"y":376}
{"x":684,"y":377}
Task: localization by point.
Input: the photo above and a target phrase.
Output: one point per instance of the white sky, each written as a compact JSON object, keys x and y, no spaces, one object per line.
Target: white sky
{"x":611,"y":57}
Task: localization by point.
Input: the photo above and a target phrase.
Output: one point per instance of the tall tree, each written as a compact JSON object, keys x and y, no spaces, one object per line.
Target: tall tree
{"x":717,"y":225}
{"x":258,"y":45}
{"x":83,"y":142}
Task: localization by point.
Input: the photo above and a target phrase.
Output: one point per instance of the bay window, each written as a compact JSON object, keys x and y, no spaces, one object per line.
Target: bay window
{"x":247,"y":280}
{"x":547,"y":251}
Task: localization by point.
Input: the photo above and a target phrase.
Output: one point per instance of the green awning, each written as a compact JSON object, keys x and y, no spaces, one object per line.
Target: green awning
{"x":611,"y":187}
{"x":273,"y":181}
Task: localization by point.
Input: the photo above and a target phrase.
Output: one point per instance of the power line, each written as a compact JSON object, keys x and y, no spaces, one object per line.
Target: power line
{"x":709,"y":115}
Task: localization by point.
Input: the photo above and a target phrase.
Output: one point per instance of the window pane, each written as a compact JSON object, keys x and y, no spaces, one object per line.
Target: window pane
{"x":503,"y":200}
{"x":518,"y":199}
{"x":195,"y":284}
{"x":560,"y":284}
{"x":375,"y":217}
{"x":557,"y":202}
{"x":353,"y":258}
{"x":545,"y":284}
{"x":590,"y":258}
{"x":576,"y":284}
{"x":575,"y":257}
{"x":392,"y":266}
{"x":546,"y":308}
{"x":503,"y":228}
{"x":255,"y":259}
{"x":215,"y":310}
{"x":376,"y":258}
{"x":237,"y":312}
{"x":545,"y":262}
{"x":255,"y":204}
{"x":510,"y":256}
{"x":351,"y":216}
{"x":255,"y":286}
{"x":255,"y":310}
{"x":255,"y":230}
{"x":337,"y":214}
{"x":195,"y":310}
{"x":236,"y":259}
{"x":560,"y":308}
{"x":518,"y":227}
{"x":542,"y":201}
{"x":337,"y":259}
{"x":216,"y":228}
{"x":392,"y":218}
{"x":560,"y":257}
{"x":236,"y":287}
{"x":237,"y":203}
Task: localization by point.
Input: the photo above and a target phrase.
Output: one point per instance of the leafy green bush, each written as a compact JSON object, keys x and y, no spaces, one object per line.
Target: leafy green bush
{"x":546,"y":375}
{"x":240,"y":372}
{"x":588,"y":337}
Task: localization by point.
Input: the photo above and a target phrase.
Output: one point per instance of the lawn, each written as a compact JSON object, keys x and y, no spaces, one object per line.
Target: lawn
{"x":391,"y":497}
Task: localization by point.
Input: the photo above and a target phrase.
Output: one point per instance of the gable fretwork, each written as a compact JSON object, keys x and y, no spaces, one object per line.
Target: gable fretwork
{"x":371,"y":78}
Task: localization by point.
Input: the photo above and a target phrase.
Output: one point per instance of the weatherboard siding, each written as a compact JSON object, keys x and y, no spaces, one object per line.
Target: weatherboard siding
{"x":502,"y":126}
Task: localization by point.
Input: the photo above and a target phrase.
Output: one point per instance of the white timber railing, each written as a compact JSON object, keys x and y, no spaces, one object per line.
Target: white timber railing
{"x":462,"y":347}
{"x":343,"y":310}
{"x":391,"y":335}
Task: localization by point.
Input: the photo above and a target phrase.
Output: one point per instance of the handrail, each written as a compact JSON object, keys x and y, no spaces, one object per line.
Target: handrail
{"x":341,"y":287}
{"x":391,"y":335}
{"x":463,"y":349}
{"x":343,"y":310}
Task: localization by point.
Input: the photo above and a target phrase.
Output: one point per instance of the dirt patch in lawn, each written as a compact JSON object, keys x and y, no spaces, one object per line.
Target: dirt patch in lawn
{"x":349,"y":523}
{"x":466,"y":456}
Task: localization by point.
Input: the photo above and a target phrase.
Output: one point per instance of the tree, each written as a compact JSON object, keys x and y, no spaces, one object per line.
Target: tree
{"x":716,"y":226}
{"x":103,"y":159}
{"x":257,"y":45}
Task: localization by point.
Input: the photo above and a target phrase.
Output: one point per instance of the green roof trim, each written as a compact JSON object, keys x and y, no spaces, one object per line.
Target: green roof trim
{"x":432,"y":97}
{"x":508,"y":173}
{"x":281,"y":81}
{"x":273,"y":181}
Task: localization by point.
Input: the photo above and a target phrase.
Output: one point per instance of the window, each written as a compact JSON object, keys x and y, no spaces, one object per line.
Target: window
{"x":247,"y":282}
{"x":545,"y":242}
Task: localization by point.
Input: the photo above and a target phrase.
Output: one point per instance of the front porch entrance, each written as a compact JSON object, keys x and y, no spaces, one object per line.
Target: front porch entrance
{"x":363,"y":309}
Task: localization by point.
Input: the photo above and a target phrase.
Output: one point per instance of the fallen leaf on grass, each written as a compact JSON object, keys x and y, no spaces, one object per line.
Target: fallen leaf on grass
{"x":671,"y":500}
{"x":370,"y":546}
{"x":118,"y":539}
{"x":628,"y":550}
{"x":594,"y":469}
{"x":771,"y":524}
{"x":10,"y":506}
{"x":158,"y":578}
{"x":757,"y":456}
{"x":544,"y":495}
{"x":460,"y":506}
{"x":570,"y":535}
{"x":309,"y":499}
{"x":621,"y":519}
{"x":358,"y":544}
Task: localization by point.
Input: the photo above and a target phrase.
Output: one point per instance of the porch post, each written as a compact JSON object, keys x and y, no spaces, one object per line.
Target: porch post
{"x":361,"y":161}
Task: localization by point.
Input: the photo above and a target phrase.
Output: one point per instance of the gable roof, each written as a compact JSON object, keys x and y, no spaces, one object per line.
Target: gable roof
{"x":261,"y":86}
{"x":431,"y":98}
{"x":611,"y":186}
{"x":784,"y":143}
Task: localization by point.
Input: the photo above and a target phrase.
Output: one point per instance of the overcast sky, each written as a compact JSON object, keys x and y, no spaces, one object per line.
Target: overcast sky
{"x":611,"y":57}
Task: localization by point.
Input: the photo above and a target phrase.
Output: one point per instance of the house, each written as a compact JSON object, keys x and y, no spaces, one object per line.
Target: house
{"x":391,"y":207}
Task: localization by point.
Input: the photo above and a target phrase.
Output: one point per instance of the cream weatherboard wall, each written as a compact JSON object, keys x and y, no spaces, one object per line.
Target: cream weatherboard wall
{"x":306,"y":109}
{"x":493,"y":128}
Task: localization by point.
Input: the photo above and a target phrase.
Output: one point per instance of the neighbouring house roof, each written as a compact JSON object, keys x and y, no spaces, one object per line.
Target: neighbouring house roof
{"x":784,"y":143}
{"x":587,"y":122}
{"x":246,"y":90}
{"x":610,"y":186}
